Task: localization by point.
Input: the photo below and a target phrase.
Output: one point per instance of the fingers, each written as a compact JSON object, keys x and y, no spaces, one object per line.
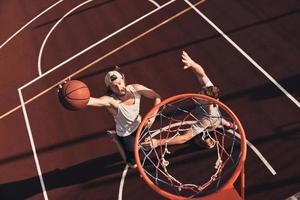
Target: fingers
{"x":60,"y":85}
{"x":150,"y":142}
{"x":186,"y":63}
{"x":67,"y":79}
{"x":145,"y":143}
{"x":59,"y":88}
{"x":186,"y":59}
{"x":186,"y":56}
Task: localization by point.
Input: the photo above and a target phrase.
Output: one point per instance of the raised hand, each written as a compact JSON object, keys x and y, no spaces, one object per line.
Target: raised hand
{"x":187,"y":60}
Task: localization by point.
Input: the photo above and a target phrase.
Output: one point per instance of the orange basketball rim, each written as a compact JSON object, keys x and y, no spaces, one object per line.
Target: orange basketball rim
{"x":175,"y":115}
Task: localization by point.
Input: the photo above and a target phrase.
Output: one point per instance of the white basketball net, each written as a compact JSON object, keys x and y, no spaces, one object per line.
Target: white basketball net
{"x":175,"y":119}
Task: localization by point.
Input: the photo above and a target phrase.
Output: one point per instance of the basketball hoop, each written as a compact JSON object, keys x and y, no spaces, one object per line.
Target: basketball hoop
{"x":185,"y":171}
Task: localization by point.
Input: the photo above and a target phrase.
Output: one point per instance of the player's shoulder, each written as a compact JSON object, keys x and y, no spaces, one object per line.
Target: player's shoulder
{"x":137,"y":86}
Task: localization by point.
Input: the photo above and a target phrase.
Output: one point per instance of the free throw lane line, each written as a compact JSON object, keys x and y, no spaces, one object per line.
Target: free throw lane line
{"x":37,"y":163}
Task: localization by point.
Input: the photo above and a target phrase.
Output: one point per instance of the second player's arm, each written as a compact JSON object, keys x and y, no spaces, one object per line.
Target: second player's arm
{"x":179,"y":139}
{"x":197,"y":68}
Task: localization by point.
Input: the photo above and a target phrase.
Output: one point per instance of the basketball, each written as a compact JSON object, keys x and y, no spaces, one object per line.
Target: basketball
{"x":76,"y":94}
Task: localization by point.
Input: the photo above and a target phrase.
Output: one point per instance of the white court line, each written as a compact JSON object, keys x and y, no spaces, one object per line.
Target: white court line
{"x":52,"y":29}
{"x":258,"y":153}
{"x":37,"y":164}
{"x":120,"y":196}
{"x":155,"y":3}
{"x":294,"y":100}
{"x":97,"y":43}
{"x":23,"y":27}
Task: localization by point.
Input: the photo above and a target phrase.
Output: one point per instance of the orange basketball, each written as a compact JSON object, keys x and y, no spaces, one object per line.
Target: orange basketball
{"x":76,"y":93}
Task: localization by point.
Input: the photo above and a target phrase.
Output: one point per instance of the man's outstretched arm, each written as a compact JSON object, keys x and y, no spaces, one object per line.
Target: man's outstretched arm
{"x":197,"y":69}
{"x":104,"y":101}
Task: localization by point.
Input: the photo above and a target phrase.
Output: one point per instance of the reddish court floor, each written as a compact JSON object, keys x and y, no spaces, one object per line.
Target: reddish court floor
{"x":77,"y":159}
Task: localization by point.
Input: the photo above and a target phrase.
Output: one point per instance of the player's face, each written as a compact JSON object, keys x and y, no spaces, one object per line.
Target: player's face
{"x":118,"y":87}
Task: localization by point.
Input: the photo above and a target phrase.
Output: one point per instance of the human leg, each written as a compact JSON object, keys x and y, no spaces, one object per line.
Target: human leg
{"x":128,"y":146}
{"x":113,"y":135}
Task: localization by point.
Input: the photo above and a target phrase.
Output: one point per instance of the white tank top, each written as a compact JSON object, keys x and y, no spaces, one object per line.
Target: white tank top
{"x":128,"y":117}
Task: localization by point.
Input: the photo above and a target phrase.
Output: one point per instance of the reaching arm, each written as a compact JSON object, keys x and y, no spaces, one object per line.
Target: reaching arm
{"x":197,"y":69}
{"x":180,"y":139}
{"x":104,"y":101}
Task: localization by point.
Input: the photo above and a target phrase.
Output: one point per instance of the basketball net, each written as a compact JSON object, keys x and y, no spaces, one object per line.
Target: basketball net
{"x":204,"y":167}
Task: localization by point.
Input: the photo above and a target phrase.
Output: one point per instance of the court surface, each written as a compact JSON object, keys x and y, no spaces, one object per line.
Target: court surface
{"x":44,"y":42}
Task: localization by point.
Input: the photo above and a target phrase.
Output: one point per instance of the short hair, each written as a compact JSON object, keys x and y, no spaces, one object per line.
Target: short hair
{"x":211,"y":91}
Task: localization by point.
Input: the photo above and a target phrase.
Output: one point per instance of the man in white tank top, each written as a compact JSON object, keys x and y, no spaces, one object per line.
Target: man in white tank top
{"x":204,"y":121}
{"x":123,"y":102}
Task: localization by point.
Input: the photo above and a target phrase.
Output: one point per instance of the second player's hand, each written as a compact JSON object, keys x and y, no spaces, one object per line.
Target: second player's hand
{"x":186,"y":59}
{"x":153,"y":143}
